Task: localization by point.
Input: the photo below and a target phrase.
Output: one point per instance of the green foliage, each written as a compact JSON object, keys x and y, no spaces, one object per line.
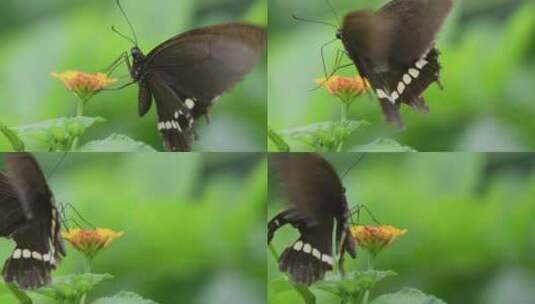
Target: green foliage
{"x":383,"y":145}
{"x":16,"y":143}
{"x":124,"y":298}
{"x":56,"y":134}
{"x":116,"y":143}
{"x":279,"y":142}
{"x":353,"y":284}
{"x":324,"y":136}
{"x":407,"y":296}
{"x":72,"y":288}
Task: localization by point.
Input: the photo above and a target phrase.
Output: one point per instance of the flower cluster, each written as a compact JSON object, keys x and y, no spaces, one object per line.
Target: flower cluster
{"x":90,"y":242}
{"x":84,"y":85}
{"x":375,"y":238}
{"x":345,"y":88}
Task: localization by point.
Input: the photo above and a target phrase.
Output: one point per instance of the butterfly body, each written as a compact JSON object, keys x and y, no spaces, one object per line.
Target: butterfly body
{"x":28,"y":216}
{"x":186,"y":74}
{"x":317,"y":207}
{"x":394,"y":49}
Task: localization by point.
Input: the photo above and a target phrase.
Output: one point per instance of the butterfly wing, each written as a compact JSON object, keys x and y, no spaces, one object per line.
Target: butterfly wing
{"x":204,"y":63}
{"x":39,"y":246}
{"x":417,"y":23}
{"x":316,"y":198}
{"x":175,"y":120}
{"x":393,"y":49}
{"x":11,"y":212}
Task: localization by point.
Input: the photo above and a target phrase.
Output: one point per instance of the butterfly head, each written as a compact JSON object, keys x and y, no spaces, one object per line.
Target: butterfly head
{"x":138,"y":59}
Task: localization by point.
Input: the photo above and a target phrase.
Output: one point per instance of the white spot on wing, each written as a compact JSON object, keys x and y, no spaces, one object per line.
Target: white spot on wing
{"x":26,"y":253}
{"x":307,"y":248}
{"x":414,"y":73}
{"x":298,"y":246}
{"x":316,"y":253}
{"x":395,"y":96}
{"x":327,"y":259}
{"x":407,"y":79}
{"x":401,"y":87}
{"x":36,"y":255}
{"x":17,"y":254}
{"x":421,"y":63}
{"x":190,"y":103}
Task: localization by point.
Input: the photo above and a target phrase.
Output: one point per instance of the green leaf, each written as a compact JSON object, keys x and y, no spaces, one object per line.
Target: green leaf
{"x":280,"y":285}
{"x":116,"y":143}
{"x":352,"y":283}
{"x":384,"y":145}
{"x":14,"y":139}
{"x":324,"y":136}
{"x":57,"y":133}
{"x":72,"y":287}
{"x":124,"y":297}
{"x":279,"y":142}
{"x":407,"y":296}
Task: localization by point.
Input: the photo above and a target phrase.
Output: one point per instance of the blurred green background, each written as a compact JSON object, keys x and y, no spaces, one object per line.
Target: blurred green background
{"x":194,"y":224}
{"x":488,"y":59}
{"x":469,"y":218}
{"x":39,"y":37}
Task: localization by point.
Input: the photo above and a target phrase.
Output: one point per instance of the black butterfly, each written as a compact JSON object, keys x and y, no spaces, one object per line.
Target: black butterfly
{"x":394,"y":49}
{"x":186,"y":74}
{"x":28,"y":216}
{"x":317,"y":198}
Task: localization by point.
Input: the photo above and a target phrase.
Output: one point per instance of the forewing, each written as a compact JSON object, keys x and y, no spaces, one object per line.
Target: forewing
{"x":29,"y":184}
{"x":311,"y":185}
{"x":11,"y":212}
{"x":417,"y":23}
{"x":204,"y":63}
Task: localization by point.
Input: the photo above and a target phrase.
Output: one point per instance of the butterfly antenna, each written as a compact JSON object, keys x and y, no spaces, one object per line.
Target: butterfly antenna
{"x":313,"y":21}
{"x":357,"y":161}
{"x":331,"y":7}
{"x":61,"y":160}
{"x":127,"y":21}
{"x":123,"y":35}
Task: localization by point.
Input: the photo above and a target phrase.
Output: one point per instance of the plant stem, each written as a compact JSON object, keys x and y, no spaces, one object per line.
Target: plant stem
{"x":80,"y":107}
{"x":273,"y":252}
{"x":366,"y":296}
{"x":19,"y":294}
{"x":371,"y":261}
{"x":344,"y":109}
{"x":87,"y":264}
{"x":306,"y":294}
{"x":79,"y":112}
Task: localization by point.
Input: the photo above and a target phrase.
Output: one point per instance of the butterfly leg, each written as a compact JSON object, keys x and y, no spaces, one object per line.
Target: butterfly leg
{"x":109,"y":69}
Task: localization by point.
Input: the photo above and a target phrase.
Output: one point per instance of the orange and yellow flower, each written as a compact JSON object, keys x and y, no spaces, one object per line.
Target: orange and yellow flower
{"x":90,"y":242}
{"x":345,"y":88}
{"x":84,"y":85}
{"x":375,"y":238}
